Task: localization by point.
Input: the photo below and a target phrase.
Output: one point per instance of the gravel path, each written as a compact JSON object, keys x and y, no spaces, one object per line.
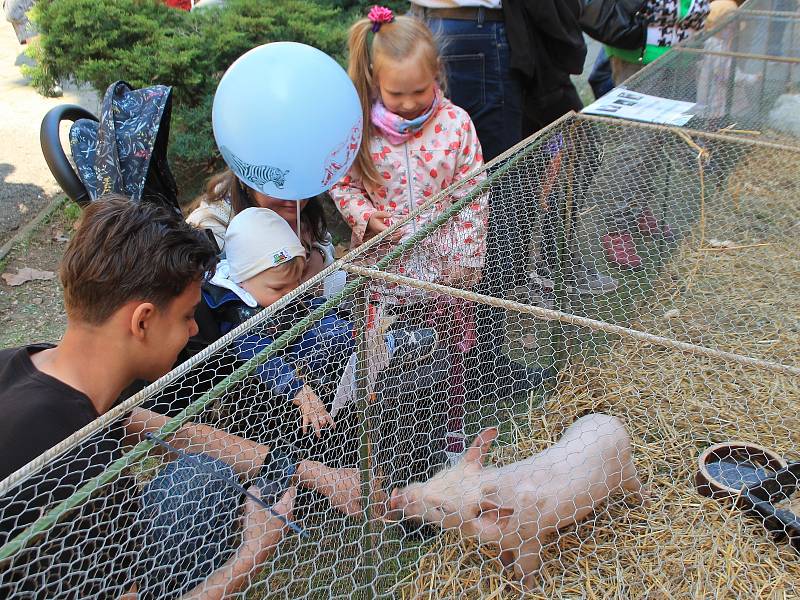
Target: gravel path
{"x":26,"y":185}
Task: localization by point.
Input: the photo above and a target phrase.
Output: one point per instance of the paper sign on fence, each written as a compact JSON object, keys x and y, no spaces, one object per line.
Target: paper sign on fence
{"x":626,"y":104}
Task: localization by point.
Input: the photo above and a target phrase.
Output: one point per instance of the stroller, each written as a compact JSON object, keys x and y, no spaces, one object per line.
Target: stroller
{"x":125,"y":152}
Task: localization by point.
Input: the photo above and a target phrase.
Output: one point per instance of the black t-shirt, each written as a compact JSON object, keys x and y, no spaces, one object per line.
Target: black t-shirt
{"x":37,"y":411}
{"x":91,"y":550}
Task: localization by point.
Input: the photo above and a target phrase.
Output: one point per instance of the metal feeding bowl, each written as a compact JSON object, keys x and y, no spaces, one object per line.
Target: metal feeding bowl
{"x":724,"y":469}
{"x":757,"y":479}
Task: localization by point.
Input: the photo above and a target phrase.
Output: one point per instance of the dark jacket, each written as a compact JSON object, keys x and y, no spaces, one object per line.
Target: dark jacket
{"x":546,"y":41}
{"x":328,"y":342}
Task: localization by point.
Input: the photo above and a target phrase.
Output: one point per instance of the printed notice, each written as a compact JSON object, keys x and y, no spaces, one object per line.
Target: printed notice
{"x":626,"y":104}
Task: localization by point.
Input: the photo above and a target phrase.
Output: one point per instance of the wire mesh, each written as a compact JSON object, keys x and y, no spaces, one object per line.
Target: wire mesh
{"x":732,"y":94}
{"x":763,"y":34}
{"x":596,"y":309}
{"x":788,"y":6}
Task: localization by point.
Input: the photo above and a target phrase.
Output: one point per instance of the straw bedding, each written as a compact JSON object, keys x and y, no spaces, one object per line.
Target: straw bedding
{"x":743,"y":298}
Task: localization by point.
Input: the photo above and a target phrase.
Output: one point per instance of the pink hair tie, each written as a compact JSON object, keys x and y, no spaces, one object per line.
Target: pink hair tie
{"x":379,"y":15}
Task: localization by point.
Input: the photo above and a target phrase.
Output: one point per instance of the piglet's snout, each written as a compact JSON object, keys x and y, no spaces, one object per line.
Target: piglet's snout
{"x":396,"y":506}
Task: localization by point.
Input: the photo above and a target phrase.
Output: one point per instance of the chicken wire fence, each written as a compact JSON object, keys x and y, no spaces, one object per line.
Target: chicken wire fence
{"x":599,"y":306}
{"x":756,"y":32}
{"x":749,"y":98}
{"x":780,"y":6}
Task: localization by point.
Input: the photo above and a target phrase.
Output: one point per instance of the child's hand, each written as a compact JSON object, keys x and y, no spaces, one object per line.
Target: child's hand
{"x":461,"y":277}
{"x":313,"y":411}
{"x":378,"y":222}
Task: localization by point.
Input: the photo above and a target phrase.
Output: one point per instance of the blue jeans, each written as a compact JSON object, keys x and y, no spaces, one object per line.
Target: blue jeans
{"x":600,"y":78}
{"x":190,"y":524}
{"x":477,"y":61}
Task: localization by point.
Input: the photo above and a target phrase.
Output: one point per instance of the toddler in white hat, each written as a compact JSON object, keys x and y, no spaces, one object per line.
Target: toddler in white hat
{"x":264,"y":262}
{"x":264,"y":258}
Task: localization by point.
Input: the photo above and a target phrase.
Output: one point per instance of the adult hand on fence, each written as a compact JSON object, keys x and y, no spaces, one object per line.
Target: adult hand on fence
{"x":313,"y":411}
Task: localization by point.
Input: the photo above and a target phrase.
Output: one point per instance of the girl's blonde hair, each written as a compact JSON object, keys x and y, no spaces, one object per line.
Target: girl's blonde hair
{"x":402,"y":38}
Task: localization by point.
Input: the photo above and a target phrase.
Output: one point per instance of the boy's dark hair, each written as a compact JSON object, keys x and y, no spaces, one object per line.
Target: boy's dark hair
{"x":125,"y":251}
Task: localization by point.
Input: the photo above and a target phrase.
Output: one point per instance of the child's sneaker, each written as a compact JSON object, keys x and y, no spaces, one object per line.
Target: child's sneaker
{"x":621,"y":250}
{"x":584,"y":281}
{"x":532,"y":294}
{"x":592,"y":282}
{"x":453,"y":458}
{"x":649,"y":226}
{"x":527,"y":380}
{"x":413,"y":345}
{"x":456,"y":446}
{"x":543,"y":278}
{"x":647,"y":222}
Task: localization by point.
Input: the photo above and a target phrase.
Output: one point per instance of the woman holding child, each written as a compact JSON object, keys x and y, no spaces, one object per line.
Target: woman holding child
{"x":226,"y":195}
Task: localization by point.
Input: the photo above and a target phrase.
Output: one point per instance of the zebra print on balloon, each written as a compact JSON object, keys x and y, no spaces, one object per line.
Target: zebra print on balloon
{"x":259,"y":175}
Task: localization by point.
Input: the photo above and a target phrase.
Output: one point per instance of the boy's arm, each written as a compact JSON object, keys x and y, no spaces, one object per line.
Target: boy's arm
{"x":261,"y":532}
{"x":352,"y":201}
{"x":246,"y":457}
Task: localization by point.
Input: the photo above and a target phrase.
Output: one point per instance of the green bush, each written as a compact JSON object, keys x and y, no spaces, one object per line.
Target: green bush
{"x":144,"y":42}
{"x":361,"y":7}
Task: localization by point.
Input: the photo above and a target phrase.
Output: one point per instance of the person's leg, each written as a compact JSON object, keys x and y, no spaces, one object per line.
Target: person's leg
{"x":478,"y":59}
{"x":622,"y":69}
{"x":189,"y":520}
{"x":601,"y":79}
{"x":479,"y":79}
{"x":541,"y":109}
{"x":16,"y":14}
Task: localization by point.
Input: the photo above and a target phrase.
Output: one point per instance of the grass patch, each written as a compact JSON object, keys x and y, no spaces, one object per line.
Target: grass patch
{"x":71,"y":211}
{"x":331,"y":562}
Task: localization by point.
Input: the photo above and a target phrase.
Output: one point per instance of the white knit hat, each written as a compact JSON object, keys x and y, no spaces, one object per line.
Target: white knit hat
{"x":258,"y":239}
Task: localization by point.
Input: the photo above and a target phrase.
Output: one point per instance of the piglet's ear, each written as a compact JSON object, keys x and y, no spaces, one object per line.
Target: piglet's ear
{"x":393,"y":512}
{"x":494,"y":513}
{"x":480,"y":446}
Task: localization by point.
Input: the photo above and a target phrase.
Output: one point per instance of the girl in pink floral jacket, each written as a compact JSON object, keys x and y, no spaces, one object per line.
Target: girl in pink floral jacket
{"x":415,"y":144}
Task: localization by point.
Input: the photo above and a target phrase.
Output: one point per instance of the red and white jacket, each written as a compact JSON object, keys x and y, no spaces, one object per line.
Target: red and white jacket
{"x":445,"y":151}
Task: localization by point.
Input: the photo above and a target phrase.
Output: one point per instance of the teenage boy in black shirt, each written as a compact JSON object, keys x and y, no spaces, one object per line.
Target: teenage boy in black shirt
{"x":131,"y":277}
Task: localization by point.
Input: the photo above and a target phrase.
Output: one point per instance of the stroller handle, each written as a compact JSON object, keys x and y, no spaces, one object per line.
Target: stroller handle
{"x":54,"y":154}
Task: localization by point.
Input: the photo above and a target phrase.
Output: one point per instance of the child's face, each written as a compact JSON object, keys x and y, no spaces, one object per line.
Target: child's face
{"x":407,"y":87}
{"x":285,"y":208}
{"x":273,"y":284}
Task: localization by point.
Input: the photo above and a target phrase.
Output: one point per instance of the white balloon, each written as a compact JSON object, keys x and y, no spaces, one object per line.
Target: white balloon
{"x":287,"y":120}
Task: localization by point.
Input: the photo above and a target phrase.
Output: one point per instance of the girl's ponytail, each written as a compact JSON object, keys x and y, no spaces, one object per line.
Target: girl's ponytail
{"x":360,"y":71}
